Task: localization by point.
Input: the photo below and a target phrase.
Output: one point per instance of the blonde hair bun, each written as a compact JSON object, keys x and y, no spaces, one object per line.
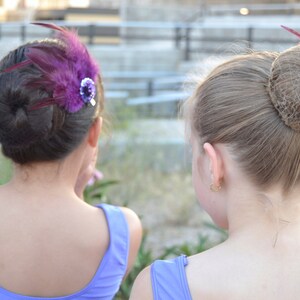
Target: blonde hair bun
{"x":284,"y":87}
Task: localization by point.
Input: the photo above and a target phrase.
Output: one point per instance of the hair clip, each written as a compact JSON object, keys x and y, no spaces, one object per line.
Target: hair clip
{"x":88,"y":91}
{"x":68,"y":73}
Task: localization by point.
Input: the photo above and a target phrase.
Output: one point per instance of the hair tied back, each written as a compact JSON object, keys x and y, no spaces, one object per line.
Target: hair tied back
{"x":284,"y":85}
{"x":67,"y":74}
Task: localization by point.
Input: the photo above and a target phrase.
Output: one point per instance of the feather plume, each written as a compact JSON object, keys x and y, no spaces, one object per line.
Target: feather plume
{"x":291,"y":31}
{"x":62,"y":69}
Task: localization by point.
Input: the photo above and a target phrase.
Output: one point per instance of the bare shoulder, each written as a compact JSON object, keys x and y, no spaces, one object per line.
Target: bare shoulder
{"x":142,"y":286}
{"x":132,"y":218}
{"x":134,"y":225}
{"x":135,"y":234}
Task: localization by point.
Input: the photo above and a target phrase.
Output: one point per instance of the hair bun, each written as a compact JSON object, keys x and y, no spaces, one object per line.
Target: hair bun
{"x":18,"y":127}
{"x":284,"y":87}
{"x":21,"y":117}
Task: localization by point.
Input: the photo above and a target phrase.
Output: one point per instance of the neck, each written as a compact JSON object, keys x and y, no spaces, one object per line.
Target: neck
{"x":267,"y":215}
{"x":46,"y":178}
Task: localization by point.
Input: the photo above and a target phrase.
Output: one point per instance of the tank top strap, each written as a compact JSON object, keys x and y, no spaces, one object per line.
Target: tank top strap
{"x":169,"y":280}
{"x":116,"y":257}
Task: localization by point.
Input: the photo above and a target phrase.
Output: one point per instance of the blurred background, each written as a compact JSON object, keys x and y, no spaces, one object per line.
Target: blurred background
{"x":151,"y":53}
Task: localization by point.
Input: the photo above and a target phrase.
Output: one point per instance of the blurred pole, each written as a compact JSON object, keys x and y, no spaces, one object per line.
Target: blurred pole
{"x":91,"y":31}
{"x":177,"y":37}
{"x":250,"y":37}
{"x":23,"y":32}
{"x":187,"y":44}
{"x":203,"y":8}
{"x":123,"y":15}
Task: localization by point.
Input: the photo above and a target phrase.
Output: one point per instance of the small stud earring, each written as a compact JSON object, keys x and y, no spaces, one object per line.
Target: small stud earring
{"x":215,"y":188}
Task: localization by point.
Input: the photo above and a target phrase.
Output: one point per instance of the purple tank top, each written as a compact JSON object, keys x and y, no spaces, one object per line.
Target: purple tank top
{"x":106,"y":282}
{"x":169,"y":280}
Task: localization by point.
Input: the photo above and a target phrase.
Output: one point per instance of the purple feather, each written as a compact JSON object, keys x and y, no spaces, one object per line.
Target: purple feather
{"x":62,"y":69}
{"x":16,"y":66}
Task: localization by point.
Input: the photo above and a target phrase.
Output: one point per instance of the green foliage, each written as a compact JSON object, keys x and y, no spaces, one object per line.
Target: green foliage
{"x":97,"y":192}
{"x":144,"y":258}
{"x":6,"y":169}
{"x":203,"y":243}
{"x":119,"y":114}
{"x":189,"y":249}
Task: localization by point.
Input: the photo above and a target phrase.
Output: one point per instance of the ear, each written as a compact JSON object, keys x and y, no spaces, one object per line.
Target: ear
{"x":215,"y":163}
{"x":94,"y":132}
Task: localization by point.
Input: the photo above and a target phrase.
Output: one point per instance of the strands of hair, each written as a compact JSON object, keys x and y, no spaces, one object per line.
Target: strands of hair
{"x":43,"y":116}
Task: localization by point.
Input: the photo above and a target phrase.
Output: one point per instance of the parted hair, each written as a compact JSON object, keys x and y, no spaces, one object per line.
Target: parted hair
{"x":45,"y":134}
{"x":252,"y":104}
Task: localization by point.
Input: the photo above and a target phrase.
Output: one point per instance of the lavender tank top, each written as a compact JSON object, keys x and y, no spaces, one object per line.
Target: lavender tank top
{"x":169,"y":280}
{"x":106,"y":282}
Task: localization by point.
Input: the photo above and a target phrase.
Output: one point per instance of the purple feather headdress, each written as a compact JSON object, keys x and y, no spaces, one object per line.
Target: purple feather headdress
{"x":68,"y":74}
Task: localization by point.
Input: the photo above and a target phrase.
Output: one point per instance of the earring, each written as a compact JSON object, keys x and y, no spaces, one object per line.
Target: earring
{"x":215,"y":188}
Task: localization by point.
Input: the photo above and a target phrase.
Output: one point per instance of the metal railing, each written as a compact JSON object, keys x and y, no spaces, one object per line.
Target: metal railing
{"x":187,"y":37}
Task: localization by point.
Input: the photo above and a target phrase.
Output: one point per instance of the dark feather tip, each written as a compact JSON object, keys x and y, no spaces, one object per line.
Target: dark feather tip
{"x":48,"y":25}
{"x":16,"y":66}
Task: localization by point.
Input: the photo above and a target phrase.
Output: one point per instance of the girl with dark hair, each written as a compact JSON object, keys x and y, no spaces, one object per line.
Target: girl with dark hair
{"x":53,"y":244}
